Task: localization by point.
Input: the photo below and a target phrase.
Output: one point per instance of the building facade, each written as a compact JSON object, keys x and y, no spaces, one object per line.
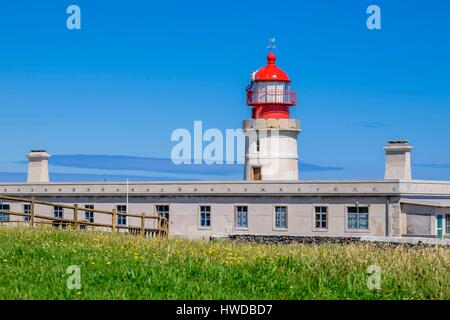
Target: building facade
{"x":203,"y":209}
{"x":271,"y":200}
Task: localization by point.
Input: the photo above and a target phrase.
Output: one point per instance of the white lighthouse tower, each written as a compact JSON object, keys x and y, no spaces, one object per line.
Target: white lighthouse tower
{"x":271,"y":135}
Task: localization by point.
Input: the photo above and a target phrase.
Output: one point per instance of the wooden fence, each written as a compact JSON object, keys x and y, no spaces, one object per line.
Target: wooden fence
{"x":159,"y":229}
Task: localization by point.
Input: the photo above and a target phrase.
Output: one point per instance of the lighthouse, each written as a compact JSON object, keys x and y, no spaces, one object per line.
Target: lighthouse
{"x":271,"y":135}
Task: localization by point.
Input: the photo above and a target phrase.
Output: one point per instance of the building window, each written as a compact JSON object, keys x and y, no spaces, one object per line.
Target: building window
{"x":121,"y":215}
{"x":89,"y":215}
{"x":205,"y":216}
{"x":447,"y":224}
{"x":4,"y":216}
{"x":26,"y":210}
{"x":241,"y":217}
{"x":58,"y":212}
{"x":358,"y":218}
{"x":258,"y":144}
{"x":163,"y":211}
{"x":281,"y":217}
{"x":321,"y":217}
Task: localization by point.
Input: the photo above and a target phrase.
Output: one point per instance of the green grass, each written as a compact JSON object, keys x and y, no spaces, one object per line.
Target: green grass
{"x":33,"y":265}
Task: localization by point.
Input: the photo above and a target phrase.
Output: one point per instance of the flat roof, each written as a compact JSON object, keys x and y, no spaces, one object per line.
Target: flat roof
{"x":235,"y":187}
{"x":440,"y":203}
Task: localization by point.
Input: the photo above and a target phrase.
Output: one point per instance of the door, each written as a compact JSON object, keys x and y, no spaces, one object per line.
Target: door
{"x":256,"y":173}
{"x":439,"y":225}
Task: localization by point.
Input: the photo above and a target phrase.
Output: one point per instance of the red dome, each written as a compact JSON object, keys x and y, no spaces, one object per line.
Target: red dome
{"x":271,"y":72}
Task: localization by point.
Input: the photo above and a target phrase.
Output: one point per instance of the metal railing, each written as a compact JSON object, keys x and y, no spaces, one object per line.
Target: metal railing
{"x":158,"y":230}
{"x":256,"y":97}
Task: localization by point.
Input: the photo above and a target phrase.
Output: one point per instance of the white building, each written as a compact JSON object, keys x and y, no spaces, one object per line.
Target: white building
{"x":271,"y":200}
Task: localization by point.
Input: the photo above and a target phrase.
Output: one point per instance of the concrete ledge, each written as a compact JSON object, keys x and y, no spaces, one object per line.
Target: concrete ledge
{"x":413,"y":190}
{"x":281,"y":124}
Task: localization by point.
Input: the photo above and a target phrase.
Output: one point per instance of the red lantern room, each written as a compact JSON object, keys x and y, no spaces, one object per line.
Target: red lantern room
{"x":269,"y":92}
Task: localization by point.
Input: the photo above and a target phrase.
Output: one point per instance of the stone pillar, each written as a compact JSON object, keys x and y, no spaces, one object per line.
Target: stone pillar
{"x":38,"y":166}
{"x":398,"y":160}
{"x":398,"y":226}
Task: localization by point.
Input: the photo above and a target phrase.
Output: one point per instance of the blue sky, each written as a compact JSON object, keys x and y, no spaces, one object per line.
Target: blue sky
{"x":140,"y":69}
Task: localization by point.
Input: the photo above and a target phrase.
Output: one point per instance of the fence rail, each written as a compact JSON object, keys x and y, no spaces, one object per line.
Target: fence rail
{"x":159,"y":229}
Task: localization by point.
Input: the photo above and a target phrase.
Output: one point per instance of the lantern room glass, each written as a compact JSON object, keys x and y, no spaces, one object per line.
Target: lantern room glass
{"x":262,"y":92}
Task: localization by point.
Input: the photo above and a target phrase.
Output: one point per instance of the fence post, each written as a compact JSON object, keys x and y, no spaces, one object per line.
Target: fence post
{"x":75,"y":217}
{"x":114,"y":214}
{"x":160,"y":219}
{"x":32,"y":205}
{"x":143,"y":224}
{"x":166,"y":227}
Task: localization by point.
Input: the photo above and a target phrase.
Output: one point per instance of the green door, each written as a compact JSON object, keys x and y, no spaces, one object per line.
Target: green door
{"x":439,"y":225}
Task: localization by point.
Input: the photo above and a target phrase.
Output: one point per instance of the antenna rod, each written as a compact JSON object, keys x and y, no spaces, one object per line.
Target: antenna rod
{"x":271,"y":45}
{"x":127,"y":195}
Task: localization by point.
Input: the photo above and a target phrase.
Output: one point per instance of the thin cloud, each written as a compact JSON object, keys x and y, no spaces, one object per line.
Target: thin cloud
{"x":433,"y":165}
{"x":132,"y":163}
{"x":308,"y":167}
{"x":121,"y":162}
{"x":95,"y":168}
{"x":369,"y":125}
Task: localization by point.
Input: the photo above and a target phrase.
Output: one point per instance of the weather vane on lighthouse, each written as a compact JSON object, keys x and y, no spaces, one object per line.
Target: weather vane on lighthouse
{"x":271,"y":45}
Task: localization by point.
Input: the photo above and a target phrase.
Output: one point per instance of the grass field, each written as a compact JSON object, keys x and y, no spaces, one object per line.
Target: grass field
{"x":33,"y":265}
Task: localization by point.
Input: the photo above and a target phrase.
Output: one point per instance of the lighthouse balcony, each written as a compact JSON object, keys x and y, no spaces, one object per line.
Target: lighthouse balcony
{"x":264,"y":97}
{"x":263,"y":124}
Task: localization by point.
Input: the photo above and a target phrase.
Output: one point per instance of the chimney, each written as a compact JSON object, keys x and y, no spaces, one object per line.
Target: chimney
{"x":398,"y":160}
{"x":38,"y":166}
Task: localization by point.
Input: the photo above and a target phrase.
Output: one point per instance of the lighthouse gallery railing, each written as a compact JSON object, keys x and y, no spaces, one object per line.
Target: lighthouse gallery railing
{"x":255,"y":97}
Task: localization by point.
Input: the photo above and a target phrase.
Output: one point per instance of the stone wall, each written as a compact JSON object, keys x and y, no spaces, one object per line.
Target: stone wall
{"x":382,"y":241}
